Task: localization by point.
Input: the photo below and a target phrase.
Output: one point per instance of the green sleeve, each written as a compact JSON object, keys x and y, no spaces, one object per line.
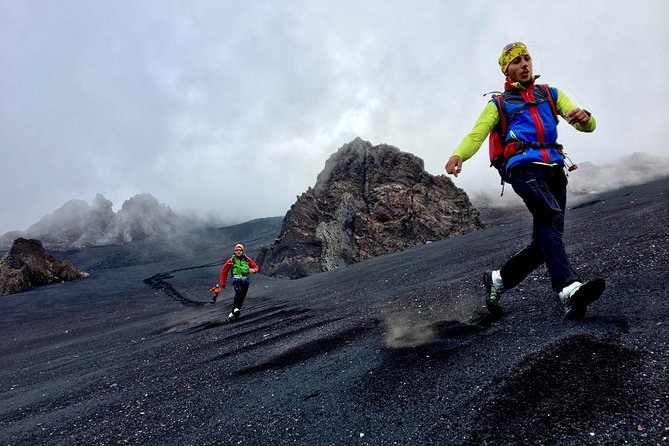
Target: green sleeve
{"x":471,"y":143}
{"x":564,"y":104}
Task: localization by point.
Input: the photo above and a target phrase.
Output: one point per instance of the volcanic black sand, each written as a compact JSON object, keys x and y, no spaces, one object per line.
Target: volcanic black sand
{"x":396,"y":350}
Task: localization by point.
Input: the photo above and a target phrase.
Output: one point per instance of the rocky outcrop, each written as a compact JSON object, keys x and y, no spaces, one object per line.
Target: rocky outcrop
{"x":367,"y":201}
{"x":78,"y":225}
{"x":28,"y":265}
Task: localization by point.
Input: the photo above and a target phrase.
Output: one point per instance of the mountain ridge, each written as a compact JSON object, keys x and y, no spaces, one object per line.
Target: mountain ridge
{"x":76,"y":224}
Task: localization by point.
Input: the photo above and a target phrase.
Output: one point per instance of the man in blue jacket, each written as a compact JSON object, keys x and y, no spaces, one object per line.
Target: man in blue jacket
{"x":532,"y":161}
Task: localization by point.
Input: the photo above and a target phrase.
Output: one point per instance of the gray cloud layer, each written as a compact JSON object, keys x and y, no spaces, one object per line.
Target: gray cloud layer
{"x":229,"y":109}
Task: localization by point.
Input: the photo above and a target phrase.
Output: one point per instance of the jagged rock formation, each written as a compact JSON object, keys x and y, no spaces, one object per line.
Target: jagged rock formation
{"x":368,"y":201}
{"x":77,"y":225}
{"x":140,"y":217}
{"x":28,"y":265}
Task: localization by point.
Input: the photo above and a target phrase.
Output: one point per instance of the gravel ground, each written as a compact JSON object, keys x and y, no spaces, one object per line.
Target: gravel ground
{"x":396,"y":350}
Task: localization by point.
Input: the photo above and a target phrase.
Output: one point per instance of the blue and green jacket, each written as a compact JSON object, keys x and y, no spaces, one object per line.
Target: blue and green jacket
{"x":533,"y":127}
{"x":239,"y":268}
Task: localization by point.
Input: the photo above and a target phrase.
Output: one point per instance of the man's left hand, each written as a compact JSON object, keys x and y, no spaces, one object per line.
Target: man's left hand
{"x":454,"y":165}
{"x":577,"y":116}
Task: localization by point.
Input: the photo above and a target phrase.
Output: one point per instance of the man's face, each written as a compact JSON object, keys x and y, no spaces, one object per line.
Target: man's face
{"x":520,"y":69}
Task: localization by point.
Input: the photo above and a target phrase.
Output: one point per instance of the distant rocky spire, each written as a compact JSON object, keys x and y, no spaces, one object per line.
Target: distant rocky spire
{"x":77,"y":225}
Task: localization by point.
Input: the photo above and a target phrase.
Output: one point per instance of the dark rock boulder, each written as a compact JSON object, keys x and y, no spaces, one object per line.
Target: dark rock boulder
{"x":28,"y":265}
{"x":368,"y":201}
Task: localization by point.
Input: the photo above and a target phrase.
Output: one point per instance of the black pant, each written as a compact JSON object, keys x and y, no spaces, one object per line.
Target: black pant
{"x":544,"y":191}
{"x":241,"y":288}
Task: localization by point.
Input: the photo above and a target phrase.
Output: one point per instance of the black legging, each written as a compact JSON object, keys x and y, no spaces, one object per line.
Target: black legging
{"x":544,"y":191}
{"x":241,"y":288}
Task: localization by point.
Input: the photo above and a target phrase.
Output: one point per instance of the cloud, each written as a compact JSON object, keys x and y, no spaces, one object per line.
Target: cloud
{"x":230,"y":109}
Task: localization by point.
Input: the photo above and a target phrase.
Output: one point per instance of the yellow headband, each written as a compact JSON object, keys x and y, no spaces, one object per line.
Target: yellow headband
{"x":510,"y":52}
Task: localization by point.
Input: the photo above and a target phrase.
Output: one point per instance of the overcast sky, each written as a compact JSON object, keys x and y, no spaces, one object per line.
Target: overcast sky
{"x":230,"y":109}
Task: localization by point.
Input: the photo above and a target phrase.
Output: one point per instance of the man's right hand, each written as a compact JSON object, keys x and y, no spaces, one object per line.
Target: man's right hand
{"x":454,"y":165}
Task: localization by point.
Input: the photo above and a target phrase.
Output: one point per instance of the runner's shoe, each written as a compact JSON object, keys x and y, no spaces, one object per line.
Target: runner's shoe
{"x":492,"y":295}
{"x":234,"y":315}
{"x":577,"y":298}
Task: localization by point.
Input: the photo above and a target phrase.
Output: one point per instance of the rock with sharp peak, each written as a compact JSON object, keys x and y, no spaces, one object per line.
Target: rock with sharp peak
{"x":142,"y":216}
{"x":368,"y":201}
{"x":75,"y":224}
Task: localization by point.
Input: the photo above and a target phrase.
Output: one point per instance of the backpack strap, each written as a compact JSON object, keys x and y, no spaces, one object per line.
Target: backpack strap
{"x":547,"y":91}
{"x":232,"y":266}
{"x":501,"y":110}
{"x":500,"y":130}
